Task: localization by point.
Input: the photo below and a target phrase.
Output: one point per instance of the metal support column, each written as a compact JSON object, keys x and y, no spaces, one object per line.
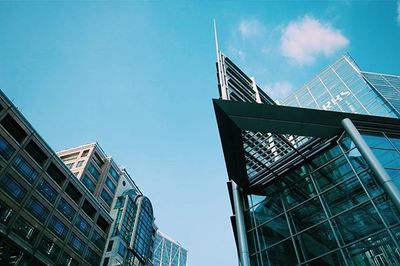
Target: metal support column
{"x":383,"y":178}
{"x":244,"y":255}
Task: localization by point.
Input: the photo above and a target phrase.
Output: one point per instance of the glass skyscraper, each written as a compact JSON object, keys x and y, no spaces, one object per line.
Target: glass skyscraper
{"x":314,"y":181}
{"x":168,"y":252}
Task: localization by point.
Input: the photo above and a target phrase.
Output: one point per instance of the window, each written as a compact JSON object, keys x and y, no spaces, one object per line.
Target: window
{"x":79,"y":164}
{"x":56,"y":174}
{"x":76,"y":243}
{"x":93,"y":171}
{"x":58,"y":227}
{"x":106,"y":261}
{"x":88,"y":209}
{"x":65,"y":208}
{"x":6,"y":213}
{"x":37,"y":209}
{"x":12,"y":127}
{"x":92,"y":257}
{"x":25,"y":230}
{"x":98,"y":160}
{"x":113,"y":173}
{"x":106,"y":197}
{"x":73,"y":193}
{"x":88,"y":183}
{"x":47,"y":191}
{"x":69,"y":165}
{"x":47,"y":247}
{"x":27,"y":171}
{"x":98,"y":240}
{"x":12,"y":188}
{"x":110,"y":245}
{"x":36,"y":152}
{"x":6,"y":150}
{"x":102,"y":223}
{"x":110,"y":185}
{"x":67,"y":260}
{"x":85,"y":153}
{"x":83,"y":225}
{"x":121,"y":249}
{"x":68,"y":157}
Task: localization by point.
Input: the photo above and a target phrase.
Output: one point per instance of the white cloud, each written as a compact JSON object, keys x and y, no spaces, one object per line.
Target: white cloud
{"x":251,"y":28}
{"x":398,"y":12}
{"x":303,"y":40}
{"x":239,"y":53}
{"x":279,"y":90}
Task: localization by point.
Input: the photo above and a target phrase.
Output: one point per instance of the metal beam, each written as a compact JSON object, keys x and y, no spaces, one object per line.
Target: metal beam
{"x":383,"y":178}
{"x":244,"y":255}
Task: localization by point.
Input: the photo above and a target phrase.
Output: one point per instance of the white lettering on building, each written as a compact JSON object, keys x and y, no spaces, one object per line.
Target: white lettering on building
{"x":335,"y":100}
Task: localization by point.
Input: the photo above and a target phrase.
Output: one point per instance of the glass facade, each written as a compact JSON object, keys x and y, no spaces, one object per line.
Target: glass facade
{"x":309,"y":200}
{"x":386,"y":85}
{"x":328,"y":211}
{"x":38,"y":224}
{"x":133,"y":228}
{"x":168,"y":252}
{"x":343,"y":87}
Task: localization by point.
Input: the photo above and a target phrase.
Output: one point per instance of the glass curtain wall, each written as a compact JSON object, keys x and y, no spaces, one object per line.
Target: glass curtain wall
{"x":329,"y":210}
{"x":341,"y":87}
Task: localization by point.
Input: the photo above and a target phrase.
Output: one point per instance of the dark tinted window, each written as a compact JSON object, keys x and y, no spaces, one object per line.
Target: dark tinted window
{"x":12,"y":127}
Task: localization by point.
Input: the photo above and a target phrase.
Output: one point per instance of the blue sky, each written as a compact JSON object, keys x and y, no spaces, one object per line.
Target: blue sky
{"x":138,"y":77}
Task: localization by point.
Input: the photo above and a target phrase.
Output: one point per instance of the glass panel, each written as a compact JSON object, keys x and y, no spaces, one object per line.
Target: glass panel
{"x":332,"y":259}
{"x":93,"y":171}
{"x":106,"y":197}
{"x":281,"y":255}
{"x":374,"y":250}
{"x":307,"y":215}
{"x":333,"y":173}
{"x":58,"y":227}
{"x":65,"y":208}
{"x":25,"y":230}
{"x":92,"y":257}
{"x":388,"y":158}
{"x":6,"y":213}
{"x":12,"y":187}
{"x":88,"y":183}
{"x":273,"y":231}
{"x":25,"y":169}
{"x":267,"y":210}
{"x":316,"y":241}
{"x":37,"y":209}
{"x":110,"y":185}
{"x":76,"y":243}
{"x":358,"y":223}
{"x":113,"y":173}
{"x":376,"y":140}
{"x":47,"y":191}
{"x":6,"y":150}
{"x":98,"y":240}
{"x":387,"y":210}
{"x":299,"y":192}
{"x":344,"y":196}
{"x":48,"y":248}
{"x":83,"y":225}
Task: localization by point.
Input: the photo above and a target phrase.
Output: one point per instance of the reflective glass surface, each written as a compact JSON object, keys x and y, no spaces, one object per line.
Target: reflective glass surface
{"x":341,"y":87}
{"x":327,"y":211}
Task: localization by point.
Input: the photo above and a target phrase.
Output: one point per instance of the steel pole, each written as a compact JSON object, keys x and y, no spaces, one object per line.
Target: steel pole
{"x":240,"y":226}
{"x":383,"y":178}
